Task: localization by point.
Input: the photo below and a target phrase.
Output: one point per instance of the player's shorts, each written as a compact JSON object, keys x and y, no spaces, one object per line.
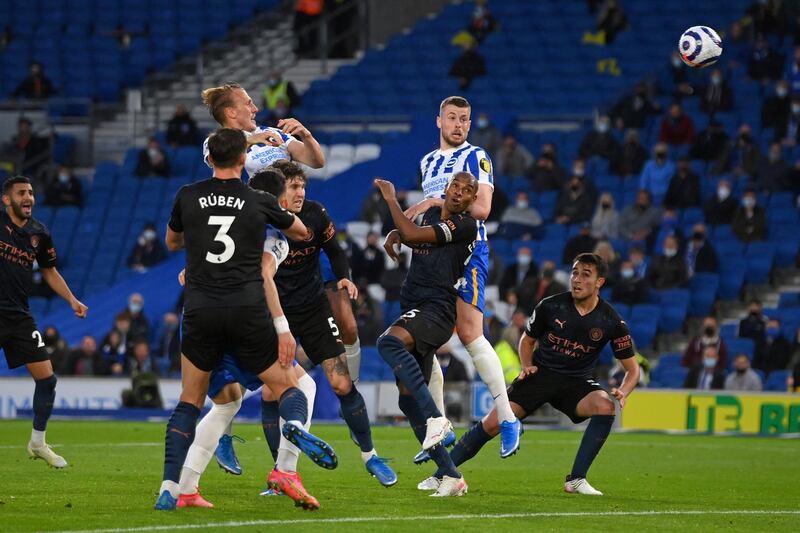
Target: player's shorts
{"x":471,"y":290}
{"x":229,"y":372}
{"x":21,"y":340}
{"x":326,"y":269}
{"x":430,"y":327}
{"x":317,"y":330}
{"x":545,"y":386}
{"x":245,"y":332}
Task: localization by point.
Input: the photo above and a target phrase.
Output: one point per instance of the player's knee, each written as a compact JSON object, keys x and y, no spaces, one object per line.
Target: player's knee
{"x":604,"y":407}
{"x":468,"y":332}
{"x":48,"y":383}
{"x":491,"y":426}
{"x":388,"y":345}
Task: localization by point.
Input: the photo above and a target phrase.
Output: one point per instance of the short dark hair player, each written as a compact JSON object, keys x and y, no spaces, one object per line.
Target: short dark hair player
{"x":23,"y":241}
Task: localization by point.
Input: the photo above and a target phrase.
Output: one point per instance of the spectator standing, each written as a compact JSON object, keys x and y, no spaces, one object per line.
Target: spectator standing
{"x":749,"y":221}
{"x":181,"y":128}
{"x":307,"y":13}
{"x":743,"y":378}
{"x":64,"y":189}
{"x":774,"y":352}
{"x":148,"y":251}
{"x":468,"y":66}
{"x":638,"y":220}
{"x":152,"y":160}
{"x":279,"y":92}
{"x":657,"y":173}
{"x":605,"y":222}
{"x":717,"y":95}
{"x":754,"y":325}
{"x":631,"y":156}
{"x":709,"y":336}
{"x":513,"y":158}
{"x":574,"y":204}
{"x":486,"y":135}
{"x":677,"y":127}
{"x":721,"y":208}
{"x":611,"y":20}
{"x":599,"y":142}
{"x":684,"y":188}
{"x":36,"y":86}
{"x":706,"y":375}
{"x":700,"y":253}
{"x":668,"y":270}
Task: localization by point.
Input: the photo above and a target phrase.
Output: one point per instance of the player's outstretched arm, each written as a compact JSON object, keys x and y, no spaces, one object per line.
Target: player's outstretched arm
{"x":60,"y":287}
{"x":297,"y":231}
{"x":629,"y":381}
{"x":174,"y":240}
{"x":410,"y":233}
{"x":286,"y":343}
{"x":308,"y":151}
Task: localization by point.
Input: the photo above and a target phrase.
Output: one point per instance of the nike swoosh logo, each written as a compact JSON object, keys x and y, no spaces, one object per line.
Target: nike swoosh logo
{"x":495,"y":397}
{"x":179,"y":432}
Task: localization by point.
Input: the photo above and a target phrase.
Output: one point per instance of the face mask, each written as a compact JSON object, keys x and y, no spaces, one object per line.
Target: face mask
{"x":781,"y":92}
{"x":523,"y":260}
{"x":748,"y":202}
{"x":522,"y":204}
{"x":774,"y":157}
{"x":795,"y":108}
{"x":773,"y":332}
{"x":63,"y":178}
{"x":709,"y":331}
{"x":637,"y":262}
{"x":574,"y":187}
{"x":754,"y":313}
{"x":723,"y":193}
{"x":602,"y":127}
{"x":716,"y":80}
{"x":578,"y":171}
{"x":698,"y":236}
{"x":627,"y":273}
{"x":152,"y":152}
{"x":709,"y":362}
{"x":670,"y":252}
{"x":149,"y":235}
{"x":272,"y":82}
{"x":547,"y":273}
{"x":606,"y":205}
{"x":134,"y":307}
{"x":676,"y":62}
{"x":741,"y":371}
{"x":482,"y":123}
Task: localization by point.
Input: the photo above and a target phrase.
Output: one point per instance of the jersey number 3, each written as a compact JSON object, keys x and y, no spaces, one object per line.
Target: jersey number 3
{"x":222,"y":236}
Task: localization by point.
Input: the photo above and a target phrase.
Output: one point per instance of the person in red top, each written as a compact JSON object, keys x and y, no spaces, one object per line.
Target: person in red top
{"x":677,"y":127}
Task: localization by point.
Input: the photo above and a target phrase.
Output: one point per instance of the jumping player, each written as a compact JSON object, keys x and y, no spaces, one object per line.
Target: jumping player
{"x":23,"y":241}
{"x":441,"y":247}
{"x":559,"y":351}
{"x":221,"y":222}
{"x":454,"y":155}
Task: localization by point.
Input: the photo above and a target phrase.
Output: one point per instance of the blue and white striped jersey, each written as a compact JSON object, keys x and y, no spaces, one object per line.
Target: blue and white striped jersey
{"x":438,"y":166}
{"x":260,"y":156}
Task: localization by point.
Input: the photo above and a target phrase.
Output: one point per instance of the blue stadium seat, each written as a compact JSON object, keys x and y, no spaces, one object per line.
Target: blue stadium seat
{"x":759,"y":257}
{"x":776,"y":381}
{"x":674,"y":305}
{"x":739,"y":345}
{"x":704,"y":287}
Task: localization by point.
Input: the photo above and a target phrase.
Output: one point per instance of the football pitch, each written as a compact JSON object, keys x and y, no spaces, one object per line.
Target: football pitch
{"x":651,"y":482}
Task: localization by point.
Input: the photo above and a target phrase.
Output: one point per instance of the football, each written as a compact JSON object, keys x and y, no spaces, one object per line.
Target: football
{"x":700,"y":46}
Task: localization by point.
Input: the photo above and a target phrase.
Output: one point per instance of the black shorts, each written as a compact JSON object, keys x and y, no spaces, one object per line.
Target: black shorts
{"x":246,"y":333}
{"x":317,"y":330}
{"x":21,"y":340}
{"x":430,"y":327}
{"x":545,"y":386}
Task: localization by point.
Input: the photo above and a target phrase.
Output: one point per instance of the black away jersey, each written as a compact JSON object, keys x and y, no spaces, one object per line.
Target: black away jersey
{"x":19,"y":248}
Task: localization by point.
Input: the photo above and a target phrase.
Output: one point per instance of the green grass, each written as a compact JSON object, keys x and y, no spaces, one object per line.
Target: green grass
{"x":115,"y":470}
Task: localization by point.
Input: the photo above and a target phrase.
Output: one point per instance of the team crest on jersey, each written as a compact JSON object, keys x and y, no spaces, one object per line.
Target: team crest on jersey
{"x":35,"y":241}
{"x":485,"y":165}
{"x":451,"y":162}
{"x":596,"y":334}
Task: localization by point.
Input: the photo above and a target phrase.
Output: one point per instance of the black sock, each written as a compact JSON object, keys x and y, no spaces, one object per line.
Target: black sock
{"x":269,"y":423}
{"x":416,"y":419}
{"x":408,"y":371}
{"x":44,"y":395}
{"x":468,"y":446}
{"x":293,"y":405}
{"x":354,"y":412}
{"x":443,"y":460}
{"x":180,"y":435}
{"x":593,"y":439}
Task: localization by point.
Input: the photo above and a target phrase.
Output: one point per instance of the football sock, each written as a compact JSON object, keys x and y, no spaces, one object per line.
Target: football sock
{"x":593,"y":439}
{"x":416,"y":419}
{"x":491,"y":372}
{"x":293,"y":406}
{"x":469,"y":444}
{"x":229,"y":429}
{"x":37,"y":437}
{"x":269,"y":423}
{"x":436,"y":384}
{"x":179,"y":436}
{"x":206,"y":438}
{"x":407,"y":370}
{"x":352,"y":354}
{"x":443,"y":460}
{"x":44,"y":395}
{"x":354,"y":412}
{"x":287,"y":453}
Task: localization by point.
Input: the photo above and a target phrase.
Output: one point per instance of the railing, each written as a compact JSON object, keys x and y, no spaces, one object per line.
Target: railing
{"x":359,"y":29}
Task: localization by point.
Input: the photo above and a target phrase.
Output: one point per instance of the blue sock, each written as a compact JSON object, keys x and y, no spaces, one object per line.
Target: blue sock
{"x":408,"y":371}
{"x":593,"y":439}
{"x":354,"y":412}
{"x":180,"y":435}
{"x":269,"y":423}
{"x":443,"y":460}
{"x":293,"y":405}
{"x":44,"y":395}
{"x":416,"y":419}
{"x":468,"y":446}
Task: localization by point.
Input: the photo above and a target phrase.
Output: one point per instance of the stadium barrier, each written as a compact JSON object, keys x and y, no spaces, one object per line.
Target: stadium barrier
{"x":712,"y":412}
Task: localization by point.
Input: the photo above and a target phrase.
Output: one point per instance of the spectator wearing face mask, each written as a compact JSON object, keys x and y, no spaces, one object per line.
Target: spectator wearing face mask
{"x":524,"y":270}
{"x":743,"y":378}
{"x":369,"y":267}
{"x":776,"y":109}
{"x":139,"y":325}
{"x":765,"y":62}
{"x":599,"y":142}
{"x":521,"y":221}
{"x":700,"y":253}
{"x":746,"y":154}
{"x":631,"y":156}
{"x":774,"y":352}
{"x":574,"y":204}
{"x":791,"y":135}
{"x":714,"y":146}
{"x":64,"y":189}
{"x":676,"y":80}
{"x":485,"y":134}
{"x":546,"y":285}
{"x":279,"y":91}
{"x":605,"y":249}
{"x":657,"y":173}
{"x":668,"y":227}
{"x":668,"y":269}
{"x":639,"y":261}
{"x":481,"y":24}
{"x":632,"y":110}
{"x":581,"y":243}
{"x":677,"y":127}
{"x":513,"y":159}
{"x":754,"y":325}
{"x":148,"y":251}
{"x":152,"y":160}
{"x":181,"y":128}
{"x":630,"y":289}
{"x":684,"y":187}
{"x":717,"y":95}
{"x":774,"y":172}
{"x":547,"y":174}
{"x":706,"y":375}
{"x":749,"y":221}
{"x":720,"y":208}
{"x":709,"y":336}
{"x":56,"y":347}
{"x":605,"y":222}
{"x":638,"y":220}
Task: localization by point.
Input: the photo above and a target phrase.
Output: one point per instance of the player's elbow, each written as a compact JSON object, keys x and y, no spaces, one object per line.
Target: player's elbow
{"x":297,"y":231}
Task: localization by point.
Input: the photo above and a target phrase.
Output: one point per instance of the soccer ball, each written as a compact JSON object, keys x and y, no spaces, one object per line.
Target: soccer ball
{"x":700,"y":46}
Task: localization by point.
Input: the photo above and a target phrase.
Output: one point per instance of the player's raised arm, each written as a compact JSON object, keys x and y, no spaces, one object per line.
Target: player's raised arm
{"x":308,"y":151}
{"x":410,"y":233}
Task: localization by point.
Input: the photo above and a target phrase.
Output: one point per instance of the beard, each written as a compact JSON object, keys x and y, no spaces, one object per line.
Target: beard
{"x":16,"y":208}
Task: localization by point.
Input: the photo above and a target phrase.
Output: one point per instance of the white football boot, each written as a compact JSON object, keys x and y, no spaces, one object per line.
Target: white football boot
{"x":45,"y":452}
{"x":431,"y":483}
{"x":436,"y":430}
{"x":451,"y":486}
{"x":580,"y":486}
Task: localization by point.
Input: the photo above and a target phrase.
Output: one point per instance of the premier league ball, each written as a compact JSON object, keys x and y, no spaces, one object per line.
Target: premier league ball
{"x":700,"y":46}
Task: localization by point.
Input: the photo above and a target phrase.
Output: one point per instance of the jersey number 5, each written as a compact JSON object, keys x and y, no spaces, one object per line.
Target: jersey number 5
{"x":222,"y":236}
